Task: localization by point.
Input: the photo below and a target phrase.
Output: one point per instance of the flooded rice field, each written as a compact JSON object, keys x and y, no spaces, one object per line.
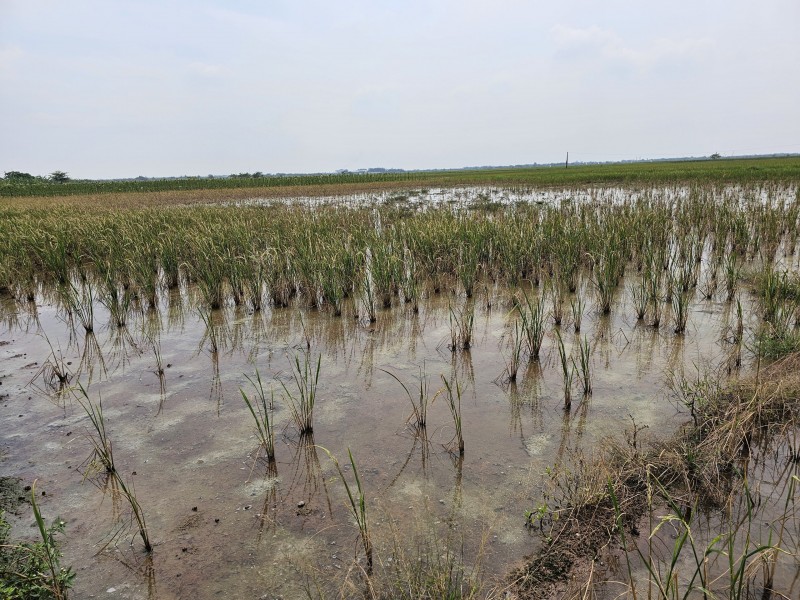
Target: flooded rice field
{"x":227,"y":523}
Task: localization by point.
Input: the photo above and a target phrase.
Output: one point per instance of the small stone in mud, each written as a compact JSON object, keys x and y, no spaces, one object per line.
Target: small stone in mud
{"x":301,"y":504}
{"x":184,"y":549}
{"x":134,"y":473}
{"x":248,"y":507}
{"x":194,"y":509}
{"x":216,"y":520}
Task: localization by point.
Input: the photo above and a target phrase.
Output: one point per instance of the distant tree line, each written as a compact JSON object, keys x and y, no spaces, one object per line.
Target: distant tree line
{"x":21,"y":177}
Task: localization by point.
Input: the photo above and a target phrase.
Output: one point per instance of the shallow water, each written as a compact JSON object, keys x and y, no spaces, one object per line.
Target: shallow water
{"x":225,"y":526}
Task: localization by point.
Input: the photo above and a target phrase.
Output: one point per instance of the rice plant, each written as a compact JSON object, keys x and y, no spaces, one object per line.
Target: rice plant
{"x":103,"y":452}
{"x":452,"y":391}
{"x":680,"y":309}
{"x":462,"y":321}
{"x":261,"y":412}
{"x":357,"y":504}
{"x":567,"y":370}
{"x":583,"y":366}
{"x":514,"y":341}
{"x":419,"y":406}
{"x":576,"y":306}
{"x":303,"y":397}
{"x":532,"y":318}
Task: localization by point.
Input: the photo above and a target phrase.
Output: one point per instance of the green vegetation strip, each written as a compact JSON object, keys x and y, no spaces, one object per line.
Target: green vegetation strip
{"x":721,"y":171}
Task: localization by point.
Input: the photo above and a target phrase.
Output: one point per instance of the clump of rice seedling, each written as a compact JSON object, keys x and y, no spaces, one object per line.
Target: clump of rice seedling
{"x":532,"y":316}
{"x":104,"y":454}
{"x":566,"y":371}
{"x":357,"y":503}
{"x":261,"y":415}
{"x":419,"y":407}
{"x":640,"y":298}
{"x":452,"y":391}
{"x":514,"y":343}
{"x":461,"y":324}
{"x":680,"y":309}
{"x":584,"y":359}
{"x":301,"y":402}
{"x":556,"y":289}
{"x":103,"y":450}
{"x":576,"y":304}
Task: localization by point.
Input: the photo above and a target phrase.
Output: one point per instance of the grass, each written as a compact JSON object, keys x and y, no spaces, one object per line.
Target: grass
{"x":33,"y":570}
{"x":669,"y":484}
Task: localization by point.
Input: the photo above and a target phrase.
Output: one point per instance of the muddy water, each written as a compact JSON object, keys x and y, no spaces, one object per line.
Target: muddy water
{"x":226,"y":525}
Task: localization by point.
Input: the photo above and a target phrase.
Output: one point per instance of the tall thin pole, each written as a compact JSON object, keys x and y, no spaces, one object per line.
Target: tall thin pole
{"x":566,"y":164}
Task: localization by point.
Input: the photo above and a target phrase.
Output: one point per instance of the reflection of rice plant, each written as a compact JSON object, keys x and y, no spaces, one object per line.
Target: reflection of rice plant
{"x":261,"y":415}
{"x":301,"y":402}
{"x":419,"y":407}
{"x":452,"y":391}
{"x":357,"y":503}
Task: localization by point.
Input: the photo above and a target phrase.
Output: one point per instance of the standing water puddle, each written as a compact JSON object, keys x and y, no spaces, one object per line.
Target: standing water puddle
{"x":226,"y":525}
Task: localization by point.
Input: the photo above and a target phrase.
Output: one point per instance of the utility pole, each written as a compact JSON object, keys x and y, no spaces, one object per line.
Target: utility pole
{"x":566,"y":164}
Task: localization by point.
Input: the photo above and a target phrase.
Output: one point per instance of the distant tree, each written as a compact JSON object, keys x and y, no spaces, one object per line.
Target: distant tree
{"x":59,"y":177}
{"x":715,"y":156}
{"x":18,"y":175}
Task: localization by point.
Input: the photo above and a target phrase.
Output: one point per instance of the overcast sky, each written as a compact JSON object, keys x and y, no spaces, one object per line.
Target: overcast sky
{"x":109,"y":88}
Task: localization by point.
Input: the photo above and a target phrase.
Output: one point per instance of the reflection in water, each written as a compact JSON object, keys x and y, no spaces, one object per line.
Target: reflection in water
{"x":419,"y":436}
{"x":91,"y":357}
{"x":306,"y":480}
{"x":215,"y":392}
{"x":268,"y":517}
{"x":122,"y":347}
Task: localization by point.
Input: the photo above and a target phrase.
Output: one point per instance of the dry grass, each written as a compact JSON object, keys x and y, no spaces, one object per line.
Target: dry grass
{"x":589,"y":503}
{"x":191,"y":197}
